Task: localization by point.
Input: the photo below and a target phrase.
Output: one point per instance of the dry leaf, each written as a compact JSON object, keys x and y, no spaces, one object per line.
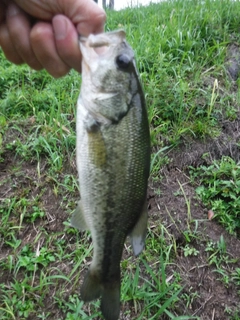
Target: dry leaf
{"x":210,"y":214}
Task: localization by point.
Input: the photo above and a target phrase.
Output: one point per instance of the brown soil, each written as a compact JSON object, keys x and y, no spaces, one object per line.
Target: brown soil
{"x":197,"y":275}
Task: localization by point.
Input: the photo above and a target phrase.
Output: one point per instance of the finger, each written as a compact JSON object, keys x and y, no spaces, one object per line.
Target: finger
{"x":40,"y":9}
{"x":66,"y":39}
{"x":91,"y":20}
{"x":18,"y":24}
{"x":43,"y":45}
{"x":86,"y":15}
{"x":7,"y":46}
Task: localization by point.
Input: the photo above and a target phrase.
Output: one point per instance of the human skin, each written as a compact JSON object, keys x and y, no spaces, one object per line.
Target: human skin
{"x":44,"y":33}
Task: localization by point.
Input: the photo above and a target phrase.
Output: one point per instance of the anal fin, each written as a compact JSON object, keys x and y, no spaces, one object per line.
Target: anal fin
{"x":138,"y":234}
{"x":78,"y":220}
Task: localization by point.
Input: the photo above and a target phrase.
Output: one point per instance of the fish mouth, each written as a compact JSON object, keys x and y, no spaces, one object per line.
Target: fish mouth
{"x":98,"y":45}
{"x":103,"y":39}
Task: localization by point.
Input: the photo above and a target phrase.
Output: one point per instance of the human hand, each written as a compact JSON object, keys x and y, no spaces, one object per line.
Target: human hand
{"x":44,"y":34}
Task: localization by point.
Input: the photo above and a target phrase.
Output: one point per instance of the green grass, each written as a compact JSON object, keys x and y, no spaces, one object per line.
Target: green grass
{"x":219,"y":190}
{"x":180,"y":49}
{"x":180,"y":52}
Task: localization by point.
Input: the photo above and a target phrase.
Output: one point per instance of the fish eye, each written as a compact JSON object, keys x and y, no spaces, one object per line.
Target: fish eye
{"x":123,"y":61}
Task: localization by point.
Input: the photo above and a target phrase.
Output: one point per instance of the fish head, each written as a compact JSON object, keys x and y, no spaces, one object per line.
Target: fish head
{"x":109,"y":76}
{"x":106,"y":56}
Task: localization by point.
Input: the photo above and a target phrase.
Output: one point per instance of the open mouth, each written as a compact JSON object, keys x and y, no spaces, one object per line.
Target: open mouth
{"x":102,"y":42}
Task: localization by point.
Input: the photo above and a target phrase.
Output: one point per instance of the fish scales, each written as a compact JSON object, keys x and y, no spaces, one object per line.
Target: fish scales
{"x":113,"y":159}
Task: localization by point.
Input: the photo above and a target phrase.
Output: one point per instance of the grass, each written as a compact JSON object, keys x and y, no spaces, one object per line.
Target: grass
{"x":180,"y":49}
{"x":219,"y":190}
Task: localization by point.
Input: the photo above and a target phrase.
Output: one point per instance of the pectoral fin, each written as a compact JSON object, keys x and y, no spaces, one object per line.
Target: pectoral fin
{"x":97,"y":148}
{"x":139,"y":232}
{"x":78,"y":220}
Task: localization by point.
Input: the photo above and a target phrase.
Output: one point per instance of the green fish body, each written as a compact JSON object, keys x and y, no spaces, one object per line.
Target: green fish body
{"x":113,"y":160}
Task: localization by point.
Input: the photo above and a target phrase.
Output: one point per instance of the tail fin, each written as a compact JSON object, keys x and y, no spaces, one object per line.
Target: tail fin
{"x":110,"y":303}
{"x":91,"y":288}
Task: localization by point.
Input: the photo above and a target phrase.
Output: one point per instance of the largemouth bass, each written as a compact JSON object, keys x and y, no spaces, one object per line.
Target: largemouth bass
{"x":113,"y":160}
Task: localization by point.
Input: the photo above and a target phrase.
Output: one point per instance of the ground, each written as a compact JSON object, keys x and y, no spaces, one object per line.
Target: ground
{"x":172,"y":203}
{"x":198,"y":276}
{"x":214,"y":297}
{"x":201,"y":253}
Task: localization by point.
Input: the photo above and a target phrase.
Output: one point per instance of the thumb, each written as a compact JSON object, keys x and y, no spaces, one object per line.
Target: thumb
{"x":87,"y":16}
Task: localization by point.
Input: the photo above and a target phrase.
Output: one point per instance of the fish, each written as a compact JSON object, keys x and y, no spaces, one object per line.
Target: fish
{"x":113,"y":162}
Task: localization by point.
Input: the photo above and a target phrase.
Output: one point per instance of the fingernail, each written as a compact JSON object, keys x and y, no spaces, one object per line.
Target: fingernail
{"x":60,"y":27}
